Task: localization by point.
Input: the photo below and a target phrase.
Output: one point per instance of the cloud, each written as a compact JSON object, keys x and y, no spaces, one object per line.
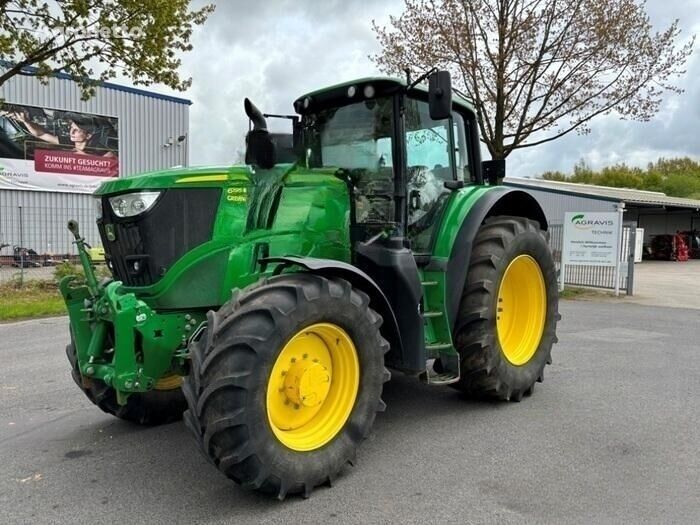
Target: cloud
{"x":274,"y":51}
{"x":271,"y":52}
{"x":671,"y":133}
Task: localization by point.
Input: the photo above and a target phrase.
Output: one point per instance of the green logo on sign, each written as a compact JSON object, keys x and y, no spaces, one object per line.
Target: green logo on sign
{"x":580,"y":222}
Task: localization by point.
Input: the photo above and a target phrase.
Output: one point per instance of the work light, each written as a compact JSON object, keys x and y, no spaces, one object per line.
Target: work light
{"x":131,"y":204}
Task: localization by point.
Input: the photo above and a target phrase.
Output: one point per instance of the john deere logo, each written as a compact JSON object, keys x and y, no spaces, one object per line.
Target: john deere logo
{"x":580,"y":222}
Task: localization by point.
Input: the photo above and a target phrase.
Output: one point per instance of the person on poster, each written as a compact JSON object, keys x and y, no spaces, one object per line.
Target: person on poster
{"x":80,"y":135}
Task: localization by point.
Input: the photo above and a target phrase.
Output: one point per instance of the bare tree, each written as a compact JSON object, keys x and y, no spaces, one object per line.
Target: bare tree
{"x":537,"y":70}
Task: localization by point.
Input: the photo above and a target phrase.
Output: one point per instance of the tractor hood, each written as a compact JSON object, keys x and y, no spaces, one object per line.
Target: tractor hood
{"x":177,"y":177}
{"x":159,"y":228}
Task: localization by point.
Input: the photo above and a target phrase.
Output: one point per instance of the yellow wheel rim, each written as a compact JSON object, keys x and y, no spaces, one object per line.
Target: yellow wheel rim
{"x":169,"y":382}
{"x":522,"y":309}
{"x":312,"y":387}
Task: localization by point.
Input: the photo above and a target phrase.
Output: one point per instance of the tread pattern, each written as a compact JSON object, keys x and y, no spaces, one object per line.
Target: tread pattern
{"x":230,"y":363}
{"x":156,"y":407}
{"x":485,"y":371}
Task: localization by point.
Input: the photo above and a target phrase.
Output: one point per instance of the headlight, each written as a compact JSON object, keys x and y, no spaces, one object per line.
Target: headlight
{"x":98,"y":208}
{"x":130,"y":204}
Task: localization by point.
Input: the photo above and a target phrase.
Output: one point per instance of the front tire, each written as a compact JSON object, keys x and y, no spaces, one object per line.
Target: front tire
{"x":165,"y":404}
{"x":509,"y":310}
{"x":286,"y":381}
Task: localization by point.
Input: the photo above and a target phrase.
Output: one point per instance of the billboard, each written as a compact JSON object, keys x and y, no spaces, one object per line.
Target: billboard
{"x":46,"y":149}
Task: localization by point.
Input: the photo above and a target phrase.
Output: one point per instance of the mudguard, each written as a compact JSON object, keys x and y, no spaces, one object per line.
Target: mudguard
{"x":498,"y":201}
{"x":356,"y":277}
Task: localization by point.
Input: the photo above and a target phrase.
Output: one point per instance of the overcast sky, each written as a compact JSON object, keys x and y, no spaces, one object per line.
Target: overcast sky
{"x":275,"y":50}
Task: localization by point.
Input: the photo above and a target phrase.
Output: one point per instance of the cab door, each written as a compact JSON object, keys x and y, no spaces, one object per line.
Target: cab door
{"x":429,"y":164}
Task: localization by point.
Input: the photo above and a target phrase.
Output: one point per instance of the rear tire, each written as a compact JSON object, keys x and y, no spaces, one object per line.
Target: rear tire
{"x":490,"y":367}
{"x":155,"y":407}
{"x":231,"y":382}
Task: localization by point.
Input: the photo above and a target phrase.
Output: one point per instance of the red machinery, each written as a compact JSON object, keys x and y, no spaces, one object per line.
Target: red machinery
{"x":670,"y":247}
{"x":682,"y":251}
{"x":692,"y":238}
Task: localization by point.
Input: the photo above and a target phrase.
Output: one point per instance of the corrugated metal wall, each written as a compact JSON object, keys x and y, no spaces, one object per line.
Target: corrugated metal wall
{"x":653,"y":220}
{"x":37,"y":220}
{"x":663,"y":221}
{"x":145,"y":124}
{"x":555,"y":205}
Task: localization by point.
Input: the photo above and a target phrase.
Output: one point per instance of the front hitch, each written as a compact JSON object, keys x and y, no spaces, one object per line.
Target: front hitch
{"x":85,"y":260}
{"x":118,"y":338}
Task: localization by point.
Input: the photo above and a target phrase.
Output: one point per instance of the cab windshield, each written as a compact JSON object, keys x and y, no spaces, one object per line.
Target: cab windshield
{"x":352,"y":137}
{"x":358,"y":139}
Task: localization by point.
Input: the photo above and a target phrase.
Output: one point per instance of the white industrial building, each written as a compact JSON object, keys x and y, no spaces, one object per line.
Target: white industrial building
{"x":655,"y":212}
{"x":645,"y":215}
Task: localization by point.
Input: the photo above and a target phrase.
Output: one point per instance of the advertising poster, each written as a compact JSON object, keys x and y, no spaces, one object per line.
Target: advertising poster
{"x":53,"y":150}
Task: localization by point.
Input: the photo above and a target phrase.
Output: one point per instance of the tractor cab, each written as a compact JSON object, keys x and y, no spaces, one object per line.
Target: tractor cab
{"x":402,"y":150}
{"x":402,"y":147}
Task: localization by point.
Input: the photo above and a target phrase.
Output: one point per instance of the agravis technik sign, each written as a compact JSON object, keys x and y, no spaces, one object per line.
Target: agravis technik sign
{"x":591,"y":239}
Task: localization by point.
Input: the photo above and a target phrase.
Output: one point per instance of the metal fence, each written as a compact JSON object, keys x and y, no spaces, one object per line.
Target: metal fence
{"x":598,"y":276}
{"x":35,"y":239}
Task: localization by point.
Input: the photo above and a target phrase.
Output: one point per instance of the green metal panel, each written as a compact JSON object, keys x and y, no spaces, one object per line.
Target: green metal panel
{"x":283,"y":211}
{"x":438,"y":333}
{"x":454,"y":215}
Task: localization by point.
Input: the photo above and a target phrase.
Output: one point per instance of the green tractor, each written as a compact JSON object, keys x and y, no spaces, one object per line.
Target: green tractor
{"x":267,"y":301}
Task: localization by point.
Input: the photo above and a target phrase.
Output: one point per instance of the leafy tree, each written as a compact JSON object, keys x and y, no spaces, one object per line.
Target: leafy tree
{"x":537,"y":70}
{"x":557,"y":176}
{"x":620,"y":176}
{"x":94,"y":39}
{"x":678,"y":177}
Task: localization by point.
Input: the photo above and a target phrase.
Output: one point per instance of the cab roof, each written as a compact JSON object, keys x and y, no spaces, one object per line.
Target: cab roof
{"x":381,"y":84}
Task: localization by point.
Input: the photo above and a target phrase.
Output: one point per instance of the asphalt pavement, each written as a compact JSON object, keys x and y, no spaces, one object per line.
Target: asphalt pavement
{"x":611,"y":436}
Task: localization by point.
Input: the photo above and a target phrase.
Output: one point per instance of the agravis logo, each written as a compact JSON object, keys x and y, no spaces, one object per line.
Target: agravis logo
{"x":580,"y":222}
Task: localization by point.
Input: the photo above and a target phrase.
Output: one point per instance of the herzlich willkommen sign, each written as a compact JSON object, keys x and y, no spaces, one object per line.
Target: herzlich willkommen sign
{"x":591,"y":239}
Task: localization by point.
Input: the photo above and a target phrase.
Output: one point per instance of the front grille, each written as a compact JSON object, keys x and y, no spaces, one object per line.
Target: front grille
{"x":145,"y":246}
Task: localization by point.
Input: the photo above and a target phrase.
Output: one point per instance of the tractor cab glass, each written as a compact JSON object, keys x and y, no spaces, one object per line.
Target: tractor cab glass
{"x":358,"y":139}
{"x":391,"y":139}
{"x":429,"y":161}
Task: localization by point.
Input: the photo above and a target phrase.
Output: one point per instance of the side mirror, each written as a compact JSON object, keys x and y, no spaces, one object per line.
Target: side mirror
{"x":493,"y":171}
{"x":440,"y":95}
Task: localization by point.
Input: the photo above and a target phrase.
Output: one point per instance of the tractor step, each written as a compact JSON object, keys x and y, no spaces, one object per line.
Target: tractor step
{"x":427,"y":315}
{"x":438,"y":346}
{"x":429,"y":283}
{"x":445,"y":377}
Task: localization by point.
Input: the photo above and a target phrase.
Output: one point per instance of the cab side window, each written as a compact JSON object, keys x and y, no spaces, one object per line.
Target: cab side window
{"x":461,"y":150}
{"x":428,"y":162}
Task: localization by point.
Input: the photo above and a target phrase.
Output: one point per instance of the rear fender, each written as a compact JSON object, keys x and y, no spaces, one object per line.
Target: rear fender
{"x":498,"y":201}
